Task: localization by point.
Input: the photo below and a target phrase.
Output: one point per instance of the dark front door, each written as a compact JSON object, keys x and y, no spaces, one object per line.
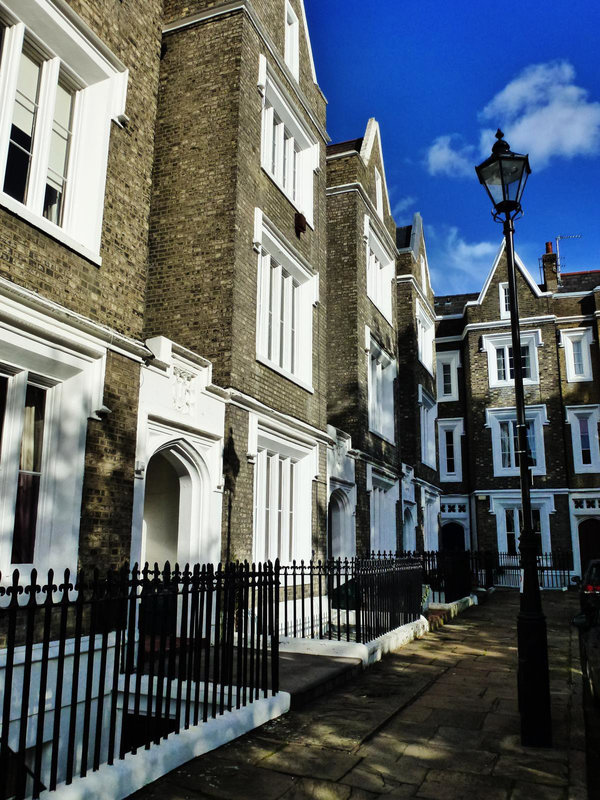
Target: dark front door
{"x":453,"y":537}
{"x":589,"y":541}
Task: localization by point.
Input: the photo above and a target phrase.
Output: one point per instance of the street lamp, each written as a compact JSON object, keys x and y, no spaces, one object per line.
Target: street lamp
{"x":504,"y":175}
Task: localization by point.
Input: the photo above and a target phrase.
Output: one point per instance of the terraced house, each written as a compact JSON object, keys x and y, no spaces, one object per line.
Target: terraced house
{"x":476,"y":425}
{"x":165,"y":357}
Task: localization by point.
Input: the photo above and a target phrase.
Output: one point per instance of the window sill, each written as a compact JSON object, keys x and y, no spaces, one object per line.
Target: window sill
{"x":309,"y":216}
{"x":448,"y":399}
{"x":427,"y":367}
{"x":387,"y":318}
{"x":511,"y":384}
{"x":450,"y":478}
{"x":587,"y":469}
{"x":47,"y":227}
{"x":285,"y":374}
{"x":382,"y":436}
{"x":579,"y":379}
{"x":513,"y":472}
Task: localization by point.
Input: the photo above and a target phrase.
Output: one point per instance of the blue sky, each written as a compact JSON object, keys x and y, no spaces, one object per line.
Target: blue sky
{"x":440,"y":77}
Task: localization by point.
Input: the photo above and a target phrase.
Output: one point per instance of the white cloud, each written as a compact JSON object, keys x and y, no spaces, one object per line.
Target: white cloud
{"x":449,"y":156}
{"x":403,"y":204}
{"x":461,"y":266}
{"x":542,"y":111}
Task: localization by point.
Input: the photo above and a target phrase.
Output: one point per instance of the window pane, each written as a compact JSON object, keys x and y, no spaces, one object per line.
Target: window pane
{"x":505,"y":434}
{"x":3,"y":393}
{"x":501,"y":363}
{"x":526,"y":361}
{"x":33,"y":429}
{"x":447,"y":378}
{"x":577,"y":357}
{"x":531,"y":443}
{"x":291,"y":512}
{"x":511,"y":538}
{"x":25,"y":518}
{"x":450,"y":468}
{"x":584,"y":432}
{"x":23,"y":127}
{"x":59,"y":154}
{"x":29,"y":476}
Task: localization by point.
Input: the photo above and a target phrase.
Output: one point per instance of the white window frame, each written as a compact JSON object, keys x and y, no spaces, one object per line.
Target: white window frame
{"x":71,"y":365}
{"x":503,"y":301}
{"x":425,"y":336}
{"x":457,"y":429}
{"x":67,"y":46}
{"x":279,"y":141}
{"x":538,"y":415}
{"x":292,"y":40}
{"x":427,"y":418}
{"x":568,"y":336}
{"x":381,"y":374}
{"x":275,"y":252}
{"x":499,"y":505}
{"x":452,"y":359}
{"x":494,"y":341}
{"x":380,"y":267}
{"x":269,"y":440}
{"x":384,"y":494}
{"x":378,"y":193}
{"x":592,"y":413}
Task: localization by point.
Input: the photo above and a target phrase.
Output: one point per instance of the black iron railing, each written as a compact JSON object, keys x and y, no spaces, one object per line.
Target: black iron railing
{"x":92,"y":667}
{"x":351,"y":600}
{"x":555,"y":569}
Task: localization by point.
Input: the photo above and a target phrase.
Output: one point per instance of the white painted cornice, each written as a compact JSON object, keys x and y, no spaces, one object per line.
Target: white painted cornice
{"x":246,"y":7}
{"x":24,"y":308}
{"x":408,"y":277}
{"x":309,"y":432}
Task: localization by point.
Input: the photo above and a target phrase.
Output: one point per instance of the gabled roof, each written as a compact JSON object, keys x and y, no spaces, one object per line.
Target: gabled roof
{"x":373,"y":134}
{"x":308,"y":44}
{"x":520,"y":267}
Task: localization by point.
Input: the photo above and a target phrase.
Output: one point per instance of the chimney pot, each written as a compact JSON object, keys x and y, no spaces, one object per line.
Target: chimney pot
{"x":548,"y":247}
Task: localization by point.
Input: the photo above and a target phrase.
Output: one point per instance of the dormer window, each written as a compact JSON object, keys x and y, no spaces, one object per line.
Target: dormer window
{"x":292,"y":55}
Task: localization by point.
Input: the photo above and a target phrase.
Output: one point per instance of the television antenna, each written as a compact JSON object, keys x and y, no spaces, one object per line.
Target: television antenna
{"x":559,"y":238}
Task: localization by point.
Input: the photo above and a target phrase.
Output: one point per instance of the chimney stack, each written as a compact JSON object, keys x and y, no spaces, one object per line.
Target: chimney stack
{"x":550,"y":268}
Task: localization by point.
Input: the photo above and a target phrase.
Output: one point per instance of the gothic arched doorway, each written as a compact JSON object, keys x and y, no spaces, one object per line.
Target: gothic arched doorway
{"x":409,"y":539}
{"x":339,"y":520}
{"x":161,"y":511}
{"x":453,"y":537}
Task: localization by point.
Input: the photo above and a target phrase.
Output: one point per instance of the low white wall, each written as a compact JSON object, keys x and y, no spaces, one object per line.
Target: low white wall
{"x":456,"y":607}
{"x":135,"y":771}
{"x":367,"y":653}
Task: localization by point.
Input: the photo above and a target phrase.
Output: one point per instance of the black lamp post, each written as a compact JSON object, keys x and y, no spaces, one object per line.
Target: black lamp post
{"x":504,"y":175}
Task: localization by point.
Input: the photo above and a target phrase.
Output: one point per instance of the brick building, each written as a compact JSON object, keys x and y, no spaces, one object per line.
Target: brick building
{"x":478,"y":467}
{"x":77,"y":117}
{"x":163,"y":249}
{"x":380,"y":383}
{"x":237,"y":262}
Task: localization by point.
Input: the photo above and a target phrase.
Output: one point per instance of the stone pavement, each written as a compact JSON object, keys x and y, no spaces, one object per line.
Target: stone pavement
{"x":437,"y":719}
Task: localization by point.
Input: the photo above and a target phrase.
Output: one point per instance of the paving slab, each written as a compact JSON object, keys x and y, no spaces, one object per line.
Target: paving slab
{"x":436,"y":719}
